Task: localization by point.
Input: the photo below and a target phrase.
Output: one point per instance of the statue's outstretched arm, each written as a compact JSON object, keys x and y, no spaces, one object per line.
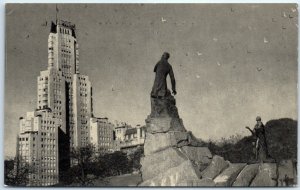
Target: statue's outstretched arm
{"x":250,"y":130}
{"x":173,"y":82}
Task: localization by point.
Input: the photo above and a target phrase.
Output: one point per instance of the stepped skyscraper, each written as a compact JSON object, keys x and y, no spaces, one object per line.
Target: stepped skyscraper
{"x":64,"y":110}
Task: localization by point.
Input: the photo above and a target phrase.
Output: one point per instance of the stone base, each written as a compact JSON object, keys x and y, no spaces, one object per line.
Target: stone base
{"x":217,"y":165}
{"x":266,"y":176}
{"x":228,"y":176}
{"x":174,"y":157}
{"x":159,"y":162}
{"x":246,"y":176}
{"x":164,"y":124}
{"x":164,"y":107}
{"x":200,"y":156}
{"x":174,"y":176}
{"x":160,"y":141}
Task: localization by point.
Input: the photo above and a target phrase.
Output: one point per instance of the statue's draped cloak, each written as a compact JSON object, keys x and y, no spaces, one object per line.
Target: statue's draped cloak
{"x":162,"y":69}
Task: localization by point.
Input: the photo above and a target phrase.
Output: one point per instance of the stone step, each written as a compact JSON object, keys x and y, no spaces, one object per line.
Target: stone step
{"x":205,"y":182}
{"x":286,"y":173}
{"x":246,"y":176}
{"x":174,"y":176}
{"x":266,"y":176}
{"x":217,"y":165}
{"x":228,"y":176}
{"x":200,"y":156}
{"x":164,"y":124}
{"x":159,"y":162}
{"x":160,"y":141}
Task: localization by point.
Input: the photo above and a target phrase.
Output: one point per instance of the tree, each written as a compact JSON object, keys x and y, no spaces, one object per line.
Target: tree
{"x":135,"y":158}
{"x":112,"y":164}
{"x":16,"y":172}
{"x":82,"y":157}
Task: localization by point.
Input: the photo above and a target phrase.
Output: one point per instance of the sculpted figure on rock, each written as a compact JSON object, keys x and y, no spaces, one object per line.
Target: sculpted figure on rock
{"x":162,"y":69}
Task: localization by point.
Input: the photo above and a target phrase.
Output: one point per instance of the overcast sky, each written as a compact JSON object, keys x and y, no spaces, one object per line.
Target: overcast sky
{"x":231,"y":62}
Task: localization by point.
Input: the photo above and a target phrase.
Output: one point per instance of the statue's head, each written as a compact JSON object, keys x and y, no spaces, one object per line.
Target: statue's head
{"x":166,"y":55}
{"x":258,"y":118}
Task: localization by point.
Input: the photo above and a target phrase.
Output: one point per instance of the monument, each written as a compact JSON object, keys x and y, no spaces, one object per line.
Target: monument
{"x":174,"y":157}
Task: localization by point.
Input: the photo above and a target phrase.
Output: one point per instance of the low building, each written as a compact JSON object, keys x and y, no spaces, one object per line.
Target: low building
{"x":37,"y":145}
{"x":120,"y":131}
{"x":101,"y":135}
{"x":134,"y":137}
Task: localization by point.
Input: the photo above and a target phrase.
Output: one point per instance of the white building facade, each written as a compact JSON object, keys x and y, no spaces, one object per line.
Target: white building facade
{"x":37,"y":145}
{"x":102,"y":137}
{"x":63,"y":113}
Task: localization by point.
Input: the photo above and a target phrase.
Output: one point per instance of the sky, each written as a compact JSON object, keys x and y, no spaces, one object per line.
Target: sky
{"x":231,"y":62}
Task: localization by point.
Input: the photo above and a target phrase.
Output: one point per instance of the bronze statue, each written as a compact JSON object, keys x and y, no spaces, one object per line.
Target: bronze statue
{"x":261,"y":147}
{"x":162,"y":69}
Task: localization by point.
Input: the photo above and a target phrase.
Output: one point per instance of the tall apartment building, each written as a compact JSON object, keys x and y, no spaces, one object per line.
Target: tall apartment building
{"x":101,"y":131}
{"x":63,"y":57}
{"x":37,"y":144}
{"x":63,"y":112}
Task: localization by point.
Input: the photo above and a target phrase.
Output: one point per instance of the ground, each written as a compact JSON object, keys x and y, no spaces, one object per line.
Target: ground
{"x":122,"y":180}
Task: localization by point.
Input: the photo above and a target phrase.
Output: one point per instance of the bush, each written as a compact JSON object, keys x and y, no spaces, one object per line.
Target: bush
{"x":281,"y":138}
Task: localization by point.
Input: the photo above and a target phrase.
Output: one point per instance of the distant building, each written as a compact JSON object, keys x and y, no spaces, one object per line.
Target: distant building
{"x":37,"y":145}
{"x":134,"y":137}
{"x":101,"y":135}
{"x":120,"y":131}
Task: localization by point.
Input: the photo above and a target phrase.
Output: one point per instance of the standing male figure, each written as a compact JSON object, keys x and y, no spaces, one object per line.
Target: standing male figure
{"x":261,"y":142}
{"x":162,"y":69}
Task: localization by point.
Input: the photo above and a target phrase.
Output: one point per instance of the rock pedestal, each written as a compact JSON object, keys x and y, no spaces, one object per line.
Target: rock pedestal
{"x":174,"y":157}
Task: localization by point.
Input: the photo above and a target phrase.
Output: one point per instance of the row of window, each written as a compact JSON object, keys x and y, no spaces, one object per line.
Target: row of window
{"x":65,"y":66}
{"x":82,"y":84}
{"x":42,"y":78}
{"x":65,"y":51}
{"x":59,"y":80}
{"x":66,"y":55}
{"x":64,"y":31}
{"x":48,"y":146}
{"x":47,"y":122}
{"x":105,"y":138}
{"x":49,"y":158}
{"x":23,"y":139}
{"x":51,"y":128}
{"x":46,"y":140}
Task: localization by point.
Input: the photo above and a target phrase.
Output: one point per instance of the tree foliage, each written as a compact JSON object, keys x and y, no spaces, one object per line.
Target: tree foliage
{"x":82,"y":159}
{"x":281,"y":138}
{"x":89,"y":165}
{"x":135,"y":158}
{"x":16,"y":172}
